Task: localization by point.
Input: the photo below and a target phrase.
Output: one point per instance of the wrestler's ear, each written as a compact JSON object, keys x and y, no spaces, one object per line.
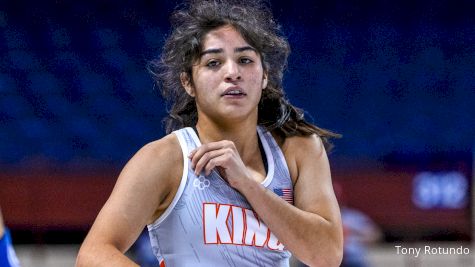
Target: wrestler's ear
{"x":264,"y":80}
{"x":185,"y":80}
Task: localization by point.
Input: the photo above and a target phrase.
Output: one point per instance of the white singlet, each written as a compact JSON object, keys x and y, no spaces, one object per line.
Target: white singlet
{"x":208,"y":223}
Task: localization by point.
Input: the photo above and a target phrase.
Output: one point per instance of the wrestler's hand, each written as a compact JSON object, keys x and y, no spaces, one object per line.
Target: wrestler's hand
{"x":223,"y":156}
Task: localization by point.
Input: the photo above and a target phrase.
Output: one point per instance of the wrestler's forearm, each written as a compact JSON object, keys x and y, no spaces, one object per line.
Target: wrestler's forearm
{"x":102,"y":255}
{"x":310,"y":237}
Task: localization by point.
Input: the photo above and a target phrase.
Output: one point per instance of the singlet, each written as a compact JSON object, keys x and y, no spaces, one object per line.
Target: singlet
{"x":209,"y":223}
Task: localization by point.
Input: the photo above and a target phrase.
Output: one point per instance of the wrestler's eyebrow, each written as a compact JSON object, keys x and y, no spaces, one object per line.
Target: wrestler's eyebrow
{"x":245,"y":48}
{"x":211,"y":51}
{"x":220,"y":50}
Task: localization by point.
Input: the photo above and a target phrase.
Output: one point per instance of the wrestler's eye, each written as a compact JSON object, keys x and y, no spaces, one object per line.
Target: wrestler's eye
{"x":245,"y":60}
{"x":212,"y":63}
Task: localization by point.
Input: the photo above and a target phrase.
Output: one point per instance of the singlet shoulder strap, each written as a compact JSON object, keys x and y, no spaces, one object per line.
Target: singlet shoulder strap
{"x":277,"y":154}
{"x":184,"y":140}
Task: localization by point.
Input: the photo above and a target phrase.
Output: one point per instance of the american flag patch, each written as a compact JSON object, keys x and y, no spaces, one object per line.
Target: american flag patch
{"x":285,"y":193}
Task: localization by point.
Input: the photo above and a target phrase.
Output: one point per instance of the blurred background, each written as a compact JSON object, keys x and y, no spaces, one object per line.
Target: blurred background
{"x":395,"y":78}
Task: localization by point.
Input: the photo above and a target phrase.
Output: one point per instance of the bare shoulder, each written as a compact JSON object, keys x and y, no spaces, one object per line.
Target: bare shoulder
{"x":141,"y":191}
{"x":157,"y":160}
{"x":152,"y":176}
{"x":297,"y":143}
{"x":164,"y":149}
{"x":311,"y":175}
{"x":303,"y":146}
{"x":299,"y":149}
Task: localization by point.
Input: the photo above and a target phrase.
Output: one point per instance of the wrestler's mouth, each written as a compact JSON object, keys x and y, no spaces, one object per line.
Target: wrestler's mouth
{"x":234,"y":91}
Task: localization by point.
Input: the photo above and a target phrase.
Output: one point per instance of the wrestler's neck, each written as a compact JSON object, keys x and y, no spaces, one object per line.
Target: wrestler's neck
{"x":242,"y":132}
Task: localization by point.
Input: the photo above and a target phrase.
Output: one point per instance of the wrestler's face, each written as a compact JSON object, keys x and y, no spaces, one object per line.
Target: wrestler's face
{"x":228,"y":77}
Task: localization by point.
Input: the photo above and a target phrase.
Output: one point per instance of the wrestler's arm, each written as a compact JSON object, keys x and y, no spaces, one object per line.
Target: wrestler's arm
{"x":312,"y":228}
{"x":144,"y":183}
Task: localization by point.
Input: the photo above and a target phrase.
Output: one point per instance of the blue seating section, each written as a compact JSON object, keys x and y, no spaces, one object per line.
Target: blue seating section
{"x":74,"y":86}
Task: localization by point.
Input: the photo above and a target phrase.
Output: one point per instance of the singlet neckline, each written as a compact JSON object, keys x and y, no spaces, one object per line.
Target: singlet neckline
{"x":261,"y":149}
{"x":266,"y":153}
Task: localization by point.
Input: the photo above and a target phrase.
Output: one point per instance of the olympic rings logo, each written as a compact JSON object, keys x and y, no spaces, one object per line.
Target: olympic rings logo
{"x":201,"y":182}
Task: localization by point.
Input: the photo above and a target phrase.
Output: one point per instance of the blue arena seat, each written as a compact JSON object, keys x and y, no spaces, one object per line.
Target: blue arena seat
{"x":16,"y":37}
{"x":23,"y":60}
{"x":15,"y":107}
{"x":80,"y":78}
{"x":8,"y":85}
{"x":103,"y":38}
{"x":44,"y":83}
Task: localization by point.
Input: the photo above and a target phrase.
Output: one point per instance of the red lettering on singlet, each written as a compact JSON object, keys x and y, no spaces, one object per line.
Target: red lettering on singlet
{"x":229,"y":224}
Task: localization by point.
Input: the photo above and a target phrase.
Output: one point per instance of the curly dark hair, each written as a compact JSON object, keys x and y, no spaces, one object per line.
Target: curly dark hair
{"x":254,"y":21}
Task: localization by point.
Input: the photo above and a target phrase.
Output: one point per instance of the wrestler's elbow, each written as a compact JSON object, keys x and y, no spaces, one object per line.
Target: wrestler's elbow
{"x":328,"y":260}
